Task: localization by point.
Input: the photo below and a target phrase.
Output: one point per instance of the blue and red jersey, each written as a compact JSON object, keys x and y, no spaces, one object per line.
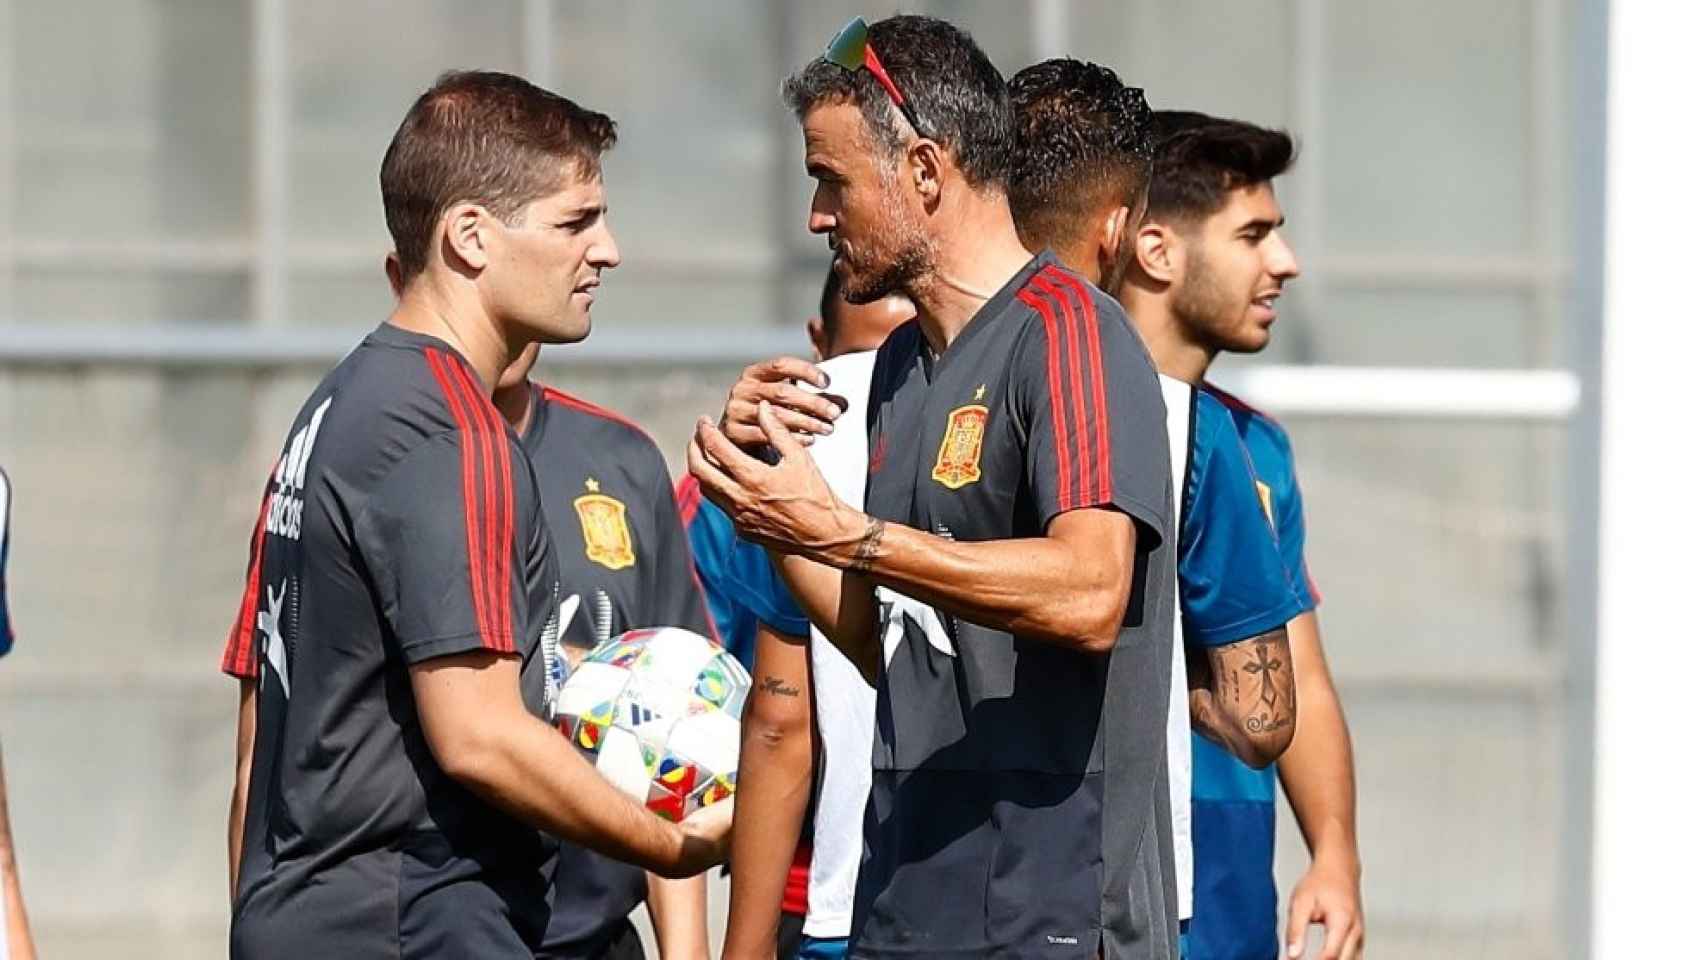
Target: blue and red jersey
{"x":1232,"y":805}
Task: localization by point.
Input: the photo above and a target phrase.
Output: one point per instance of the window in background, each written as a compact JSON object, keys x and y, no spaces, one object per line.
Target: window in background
{"x":129,"y":190}
{"x":692,"y":182}
{"x":354,"y":67}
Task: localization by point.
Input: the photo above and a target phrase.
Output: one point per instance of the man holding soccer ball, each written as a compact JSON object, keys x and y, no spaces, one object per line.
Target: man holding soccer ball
{"x":394,"y":769}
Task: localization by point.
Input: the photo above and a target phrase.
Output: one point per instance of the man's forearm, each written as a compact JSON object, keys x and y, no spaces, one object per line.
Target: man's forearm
{"x":775,"y":789}
{"x":1318,"y":770}
{"x":677,"y":909}
{"x":1069,"y":588}
{"x":16,"y":930}
{"x":483,"y":738}
{"x":839,"y":603}
{"x":528,"y":769}
{"x":246,"y":706}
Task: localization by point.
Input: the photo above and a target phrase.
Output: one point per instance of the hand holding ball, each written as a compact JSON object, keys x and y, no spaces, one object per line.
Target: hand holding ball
{"x":658,"y":713}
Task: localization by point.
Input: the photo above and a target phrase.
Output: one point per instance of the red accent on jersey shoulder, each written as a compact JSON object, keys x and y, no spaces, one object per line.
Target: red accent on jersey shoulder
{"x":502,"y":557}
{"x":486,"y":498}
{"x":687,"y":497}
{"x":1056,"y":405}
{"x":1075,"y":377}
{"x":1098,"y":385}
{"x":1084,"y":469}
{"x":586,"y":406}
{"x":500,"y":535}
{"x":239,"y":660}
{"x":1237,"y":403}
{"x":469,"y":447}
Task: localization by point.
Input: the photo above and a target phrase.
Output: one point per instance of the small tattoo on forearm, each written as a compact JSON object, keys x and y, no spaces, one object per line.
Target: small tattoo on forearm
{"x":776,"y":686}
{"x":866,"y":554}
{"x":1260,"y":723}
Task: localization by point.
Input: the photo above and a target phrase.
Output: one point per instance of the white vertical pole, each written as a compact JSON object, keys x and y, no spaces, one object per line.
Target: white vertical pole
{"x":1301,"y":190}
{"x":1545,"y":174}
{"x":1051,"y":29}
{"x":271,"y":160}
{"x":1650,"y":834}
{"x":537,"y":42}
{"x":1582,"y":333}
{"x":8,"y":165}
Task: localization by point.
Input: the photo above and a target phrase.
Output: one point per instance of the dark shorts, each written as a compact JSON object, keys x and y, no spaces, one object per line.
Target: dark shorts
{"x":788,"y":935}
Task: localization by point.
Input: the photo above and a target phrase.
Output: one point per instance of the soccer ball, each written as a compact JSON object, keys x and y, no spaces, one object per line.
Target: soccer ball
{"x":658,"y":713}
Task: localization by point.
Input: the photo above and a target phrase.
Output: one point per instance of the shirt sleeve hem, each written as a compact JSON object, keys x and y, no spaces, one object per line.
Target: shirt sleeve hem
{"x":786,"y":627}
{"x":1131,"y":506}
{"x":1254,"y":625}
{"x":419,"y":651}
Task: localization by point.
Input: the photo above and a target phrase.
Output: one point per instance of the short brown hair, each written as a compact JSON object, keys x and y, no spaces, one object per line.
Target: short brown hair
{"x":487,"y":138}
{"x":1200,"y":160}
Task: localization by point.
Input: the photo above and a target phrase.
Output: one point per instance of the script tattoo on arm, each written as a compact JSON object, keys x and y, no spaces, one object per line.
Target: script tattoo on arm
{"x":869,"y":544}
{"x":777,"y":687}
{"x":1244,"y":697}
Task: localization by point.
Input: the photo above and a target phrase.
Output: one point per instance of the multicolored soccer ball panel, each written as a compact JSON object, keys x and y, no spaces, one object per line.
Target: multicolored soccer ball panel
{"x":657,"y":711}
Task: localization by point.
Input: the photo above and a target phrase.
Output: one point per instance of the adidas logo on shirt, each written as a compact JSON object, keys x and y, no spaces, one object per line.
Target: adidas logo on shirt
{"x":284,"y":510}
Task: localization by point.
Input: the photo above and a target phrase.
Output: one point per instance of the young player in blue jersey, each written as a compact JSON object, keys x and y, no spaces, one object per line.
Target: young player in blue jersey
{"x":1212,"y":264}
{"x":1199,"y":267}
{"x":15,"y":941}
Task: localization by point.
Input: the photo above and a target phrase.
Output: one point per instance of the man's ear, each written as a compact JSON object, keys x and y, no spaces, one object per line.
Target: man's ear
{"x":394,"y":274}
{"x":1159,"y":252}
{"x":466,"y":237}
{"x":1110,"y":240}
{"x":926,"y":164}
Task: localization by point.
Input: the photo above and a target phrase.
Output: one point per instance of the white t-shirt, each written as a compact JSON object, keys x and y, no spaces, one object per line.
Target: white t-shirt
{"x":845,"y":704}
{"x":1177,"y":396}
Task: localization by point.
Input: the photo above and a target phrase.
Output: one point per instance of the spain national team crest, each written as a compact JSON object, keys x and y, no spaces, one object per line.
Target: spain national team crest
{"x":962,"y":446}
{"x":604,"y":525}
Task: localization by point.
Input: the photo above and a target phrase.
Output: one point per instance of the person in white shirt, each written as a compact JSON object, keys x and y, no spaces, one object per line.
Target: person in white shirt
{"x":782,"y":775}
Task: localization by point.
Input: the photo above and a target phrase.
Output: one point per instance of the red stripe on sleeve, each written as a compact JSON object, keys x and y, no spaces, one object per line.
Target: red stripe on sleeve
{"x":501,"y":512}
{"x":687,"y":498}
{"x":1056,"y":403}
{"x":1098,"y":385}
{"x":440,"y":365}
{"x":239,"y":660}
{"x":1085,"y":468}
{"x":488,"y":516}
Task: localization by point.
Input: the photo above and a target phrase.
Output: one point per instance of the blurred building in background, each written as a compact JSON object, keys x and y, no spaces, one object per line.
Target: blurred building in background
{"x":191,"y":233}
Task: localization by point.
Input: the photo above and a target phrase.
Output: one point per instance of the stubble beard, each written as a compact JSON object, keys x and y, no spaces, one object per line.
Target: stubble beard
{"x":1207,"y":314}
{"x":911,"y":260}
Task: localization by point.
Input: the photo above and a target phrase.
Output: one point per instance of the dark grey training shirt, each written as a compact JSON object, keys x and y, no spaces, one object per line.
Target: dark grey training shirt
{"x":401,"y":523}
{"x":1018,"y":804}
{"x":621,"y":550}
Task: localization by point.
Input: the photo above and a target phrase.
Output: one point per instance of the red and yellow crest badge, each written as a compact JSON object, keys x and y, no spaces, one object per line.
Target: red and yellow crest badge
{"x":962,"y":446}
{"x":604,"y":526}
